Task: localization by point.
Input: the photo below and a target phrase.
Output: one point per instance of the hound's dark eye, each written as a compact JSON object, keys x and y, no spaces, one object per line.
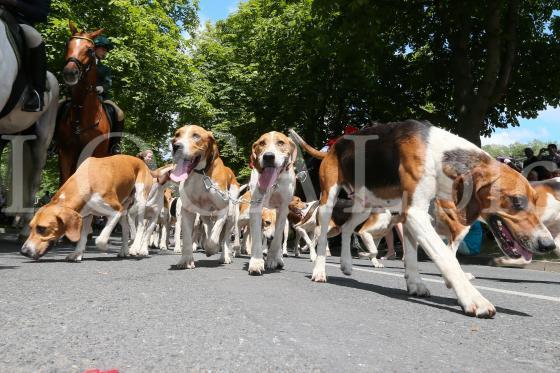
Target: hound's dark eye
{"x":519,"y":203}
{"x":41,"y":230}
{"x":280,"y":143}
{"x":196,"y":137}
{"x":262,"y":143}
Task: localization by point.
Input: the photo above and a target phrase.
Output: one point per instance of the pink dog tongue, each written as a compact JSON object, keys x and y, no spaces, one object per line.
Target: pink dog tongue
{"x":267,"y":178}
{"x":182,"y":171}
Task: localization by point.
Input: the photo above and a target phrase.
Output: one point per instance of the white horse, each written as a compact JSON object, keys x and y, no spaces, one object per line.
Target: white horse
{"x":34,"y":150}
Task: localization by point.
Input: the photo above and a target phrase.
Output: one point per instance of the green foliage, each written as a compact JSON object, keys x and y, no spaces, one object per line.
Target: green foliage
{"x":515,"y":150}
{"x":152,"y":71}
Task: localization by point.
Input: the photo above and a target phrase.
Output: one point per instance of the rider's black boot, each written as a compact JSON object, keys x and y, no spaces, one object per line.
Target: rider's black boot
{"x":37,"y":70}
{"x":114,"y":142}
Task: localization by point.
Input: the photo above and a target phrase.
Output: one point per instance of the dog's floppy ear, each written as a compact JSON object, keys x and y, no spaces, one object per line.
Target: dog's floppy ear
{"x":212,"y":149}
{"x":71,"y":222}
{"x":467,"y":190}
{"x":293,"y":152}
{"x":254,"y":162}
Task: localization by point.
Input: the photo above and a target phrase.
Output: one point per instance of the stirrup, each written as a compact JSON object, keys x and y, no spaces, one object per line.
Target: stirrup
{"x":115,"y":149}
{"x":33,"y":102}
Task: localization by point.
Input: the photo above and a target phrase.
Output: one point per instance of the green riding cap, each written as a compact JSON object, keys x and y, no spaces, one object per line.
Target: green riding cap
{"x":103,"y":41}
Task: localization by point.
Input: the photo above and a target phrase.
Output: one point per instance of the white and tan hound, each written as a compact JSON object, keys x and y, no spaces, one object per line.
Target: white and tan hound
{"x":101,"y":187}
{"x":272,"y":185}
{"x":207,"y":187}
{"x":402,"y":167}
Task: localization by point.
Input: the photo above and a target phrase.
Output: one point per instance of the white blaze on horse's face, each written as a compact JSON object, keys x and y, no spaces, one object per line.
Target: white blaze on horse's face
{"x":273,"y":149}
{"x":80,"y":55}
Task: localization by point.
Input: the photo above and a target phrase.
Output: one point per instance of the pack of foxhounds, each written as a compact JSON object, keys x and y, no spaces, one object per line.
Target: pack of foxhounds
{"x":435,"y":183}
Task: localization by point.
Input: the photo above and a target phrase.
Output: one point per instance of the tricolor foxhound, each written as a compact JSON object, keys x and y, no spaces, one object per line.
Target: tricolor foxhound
{"x":402,"y":167}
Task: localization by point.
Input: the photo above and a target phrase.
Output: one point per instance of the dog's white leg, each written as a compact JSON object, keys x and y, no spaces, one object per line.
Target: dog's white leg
{"x":419,"y":226}
{"x":164,"y":232}
{"x":256,"y":263}
{"x":285,"y":238}
{"x":225,"y":256}
{"x":102,"y":240}
{"x":187,"y":225}
{"x":123,"y":253}
{"x":78,"y":253}
{"x":414,"y":283}
{"x":325,"y":213}
{"x":297,"y":239}
{"x":274,"y":258}
{"x":313,"y":245}
{"x":177,"y":233}
{"x":212,"y":245}
{"x":132,"y":215}
{"x":136,"y":247}
{"x":371,"y":246}
{"x":347,"y":230}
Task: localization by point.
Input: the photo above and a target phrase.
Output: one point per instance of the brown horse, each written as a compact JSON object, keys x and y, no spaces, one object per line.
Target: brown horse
{"x":85,"y":120}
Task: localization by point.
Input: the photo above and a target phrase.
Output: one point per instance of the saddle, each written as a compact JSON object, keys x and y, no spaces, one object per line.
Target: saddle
{"x":64,"y":109}
{"x":17,"y":41}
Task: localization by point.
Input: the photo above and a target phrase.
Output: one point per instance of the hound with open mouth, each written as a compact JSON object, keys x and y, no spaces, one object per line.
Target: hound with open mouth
{"x":548,"y":210}
{"x":100,"y":187}
{"x":402,"y":167}
{"x":272,"y":185}
{"x":208,"y":188}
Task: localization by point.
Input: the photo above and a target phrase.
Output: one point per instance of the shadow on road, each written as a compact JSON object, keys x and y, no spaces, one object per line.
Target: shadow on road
{"x":448,"y":304}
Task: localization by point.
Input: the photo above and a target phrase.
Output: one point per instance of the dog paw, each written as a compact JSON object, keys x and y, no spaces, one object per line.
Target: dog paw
{"x":177,"y":250}
{"x":122,"y":253}
{"x":226,"y":259}
{"x":274,"y":263}
{"x":74,"y":257}
{"x":346,"y":267}
{"x":376,"y":263}
{"x":417,"y":288}
{"x":319,"y":275}
{"x":101,"y":244}
{"x":185,"y":263}
{"x":469,"y":276}
{"x":256,"y":266}
{"x":478,"y":306}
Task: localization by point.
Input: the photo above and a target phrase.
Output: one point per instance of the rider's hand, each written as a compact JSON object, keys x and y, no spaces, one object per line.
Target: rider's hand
{"x":98,"y":89}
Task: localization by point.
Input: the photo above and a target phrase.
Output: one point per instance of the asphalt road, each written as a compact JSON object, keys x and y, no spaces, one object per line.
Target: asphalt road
{"x":142,"y":316}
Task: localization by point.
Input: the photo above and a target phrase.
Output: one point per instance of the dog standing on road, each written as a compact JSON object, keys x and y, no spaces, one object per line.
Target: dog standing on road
{"x":272,"y":185}
{"x":402,"y":167}
{"x":207,"y":187}
{"x":101,"y":187}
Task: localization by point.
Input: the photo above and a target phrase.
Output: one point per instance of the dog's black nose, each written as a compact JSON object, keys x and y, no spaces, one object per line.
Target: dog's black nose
{"x":546,"y":245}
{"x":268,"y":159}
{"x":176,"y":147}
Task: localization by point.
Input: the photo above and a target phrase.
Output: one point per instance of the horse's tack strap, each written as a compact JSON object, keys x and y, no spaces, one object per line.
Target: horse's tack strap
{"x":83,"y":38}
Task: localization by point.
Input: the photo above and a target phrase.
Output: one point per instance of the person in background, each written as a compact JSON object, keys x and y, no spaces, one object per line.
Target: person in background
{"x":390,"y":240}
{"x":472,"y":242}
{"x":103,"y":87}
{"x":541,"y":172}
{"x":148,"y":157}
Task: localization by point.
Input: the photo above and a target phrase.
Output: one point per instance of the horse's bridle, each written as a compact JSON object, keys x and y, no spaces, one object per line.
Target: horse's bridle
{"x":83,"y":69}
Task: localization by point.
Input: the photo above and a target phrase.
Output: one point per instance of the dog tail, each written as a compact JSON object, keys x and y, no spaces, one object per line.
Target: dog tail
{"x":308,"y":148}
